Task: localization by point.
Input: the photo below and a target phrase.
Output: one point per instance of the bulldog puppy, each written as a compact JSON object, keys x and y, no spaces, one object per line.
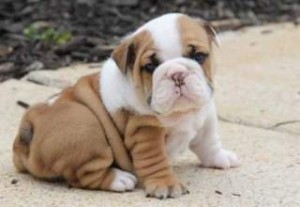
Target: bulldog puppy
{"x":151,"y":100}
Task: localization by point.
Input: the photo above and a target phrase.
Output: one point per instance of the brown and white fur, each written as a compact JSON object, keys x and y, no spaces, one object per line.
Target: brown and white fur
{"x":146,"y":117}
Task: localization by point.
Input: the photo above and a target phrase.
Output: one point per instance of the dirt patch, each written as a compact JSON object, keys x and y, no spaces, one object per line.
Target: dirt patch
{"x":39,"y":34}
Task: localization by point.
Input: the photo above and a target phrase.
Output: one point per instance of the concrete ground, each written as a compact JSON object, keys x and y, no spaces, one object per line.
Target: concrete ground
{"x":258,"y":99}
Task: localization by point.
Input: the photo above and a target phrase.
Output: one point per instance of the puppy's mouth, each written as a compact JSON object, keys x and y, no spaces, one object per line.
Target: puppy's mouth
{"x":179,"y":86}
{"x":180,"y":94}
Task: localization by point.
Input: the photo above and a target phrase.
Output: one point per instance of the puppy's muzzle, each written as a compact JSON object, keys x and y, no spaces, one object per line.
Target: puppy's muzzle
{"x":178,"y":79}
{"x":178,"y":75}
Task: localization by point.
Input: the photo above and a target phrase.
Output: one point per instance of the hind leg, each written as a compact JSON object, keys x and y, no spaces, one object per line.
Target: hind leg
{"x":77,"y":151}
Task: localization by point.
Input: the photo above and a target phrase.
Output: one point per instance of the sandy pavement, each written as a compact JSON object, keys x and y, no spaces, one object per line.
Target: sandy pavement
{"x":258,"y":99}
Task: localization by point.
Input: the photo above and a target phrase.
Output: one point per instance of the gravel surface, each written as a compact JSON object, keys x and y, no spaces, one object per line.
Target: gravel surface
{"x":48,"y":34}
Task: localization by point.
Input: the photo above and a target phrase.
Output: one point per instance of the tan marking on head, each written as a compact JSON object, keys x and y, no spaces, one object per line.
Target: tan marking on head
{"x":194,"y":32}
{"x":122,"y":55}
{"x":131,"y":55}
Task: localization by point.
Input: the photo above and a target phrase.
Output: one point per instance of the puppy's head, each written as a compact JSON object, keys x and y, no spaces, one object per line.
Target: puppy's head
{"x":169,"y":62}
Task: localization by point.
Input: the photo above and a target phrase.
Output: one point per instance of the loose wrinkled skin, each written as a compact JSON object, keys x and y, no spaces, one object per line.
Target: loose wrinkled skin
{"x":151,"y":100}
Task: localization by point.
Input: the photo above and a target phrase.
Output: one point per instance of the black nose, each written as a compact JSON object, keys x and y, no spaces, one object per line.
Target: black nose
{"x":178,"y":78}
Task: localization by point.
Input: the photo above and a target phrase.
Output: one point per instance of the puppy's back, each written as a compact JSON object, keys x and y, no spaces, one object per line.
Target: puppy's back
{"x":57,"y":140}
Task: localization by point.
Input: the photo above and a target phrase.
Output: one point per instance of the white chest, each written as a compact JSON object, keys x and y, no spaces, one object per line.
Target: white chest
{"x":183,"y":131}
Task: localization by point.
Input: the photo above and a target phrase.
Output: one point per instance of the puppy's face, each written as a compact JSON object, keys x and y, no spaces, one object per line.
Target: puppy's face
{"x":169,"y":62}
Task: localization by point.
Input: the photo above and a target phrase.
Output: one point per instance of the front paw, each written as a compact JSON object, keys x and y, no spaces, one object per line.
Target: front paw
{"x":222,"y":159}
{"x":164,"y":188}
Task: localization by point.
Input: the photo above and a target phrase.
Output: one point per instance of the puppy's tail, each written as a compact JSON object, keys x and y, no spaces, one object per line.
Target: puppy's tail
{"x":25,"y":136}
{"x":26,"y":133}
{"x":21,"y":146}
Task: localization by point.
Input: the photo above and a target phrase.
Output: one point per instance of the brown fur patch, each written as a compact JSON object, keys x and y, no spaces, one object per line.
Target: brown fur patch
{"x":140,"y":47}
{"x":193,"y":32}
{"x":143,"y":79}
{"x":71,"y":139}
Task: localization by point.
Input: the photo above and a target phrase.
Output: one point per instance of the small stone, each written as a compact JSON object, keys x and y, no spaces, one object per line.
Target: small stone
{"x":33,"y":1}
{"x":47,"y":80}
{"x":251,"y":15}
{"x":6,"y":68}
{"x":14,"y":181}
{"x":36,"y":65}
{"x":180,"y":2}
{"x":228,"y":14}
{"x":4,"y":50}
{"x":123,"y":2}
{"x":86,"y":2}
{"x":14,"y":27}
{"x":218,"y":192}
{"x":27,"y":10}
{"x":266,"y":31}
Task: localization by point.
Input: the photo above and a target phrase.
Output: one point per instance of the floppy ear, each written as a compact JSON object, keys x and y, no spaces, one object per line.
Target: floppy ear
{"x":124,"y":55}
{"x":213,"y":37}
{"x":212,"y":33}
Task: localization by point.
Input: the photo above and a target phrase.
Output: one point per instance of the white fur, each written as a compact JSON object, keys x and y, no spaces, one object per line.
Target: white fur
{"x":165,"y":33}
{"x":167,"y":98}
{"x":197,"y":128}
{"x":123,"y":181}
{"x":184,"y":130}
{"x":118,"y":90}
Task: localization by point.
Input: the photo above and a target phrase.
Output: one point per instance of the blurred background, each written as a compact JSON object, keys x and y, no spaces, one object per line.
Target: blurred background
{"x":49,"y":34}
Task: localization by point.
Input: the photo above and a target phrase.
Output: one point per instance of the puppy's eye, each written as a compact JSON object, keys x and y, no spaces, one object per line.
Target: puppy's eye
{"x":199,"y":57}
{"x":150,"y":67}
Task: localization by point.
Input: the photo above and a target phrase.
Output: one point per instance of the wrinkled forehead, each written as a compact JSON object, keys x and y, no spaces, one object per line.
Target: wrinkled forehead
{"x":171,"y":33}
